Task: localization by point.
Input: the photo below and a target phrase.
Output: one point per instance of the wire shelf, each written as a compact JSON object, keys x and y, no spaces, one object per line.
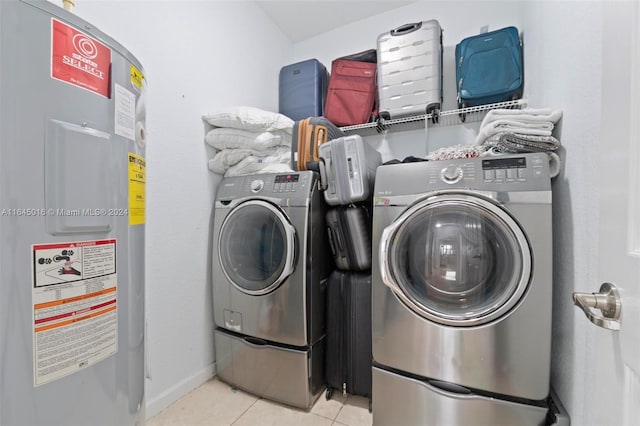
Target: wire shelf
{"x":417,"y":122}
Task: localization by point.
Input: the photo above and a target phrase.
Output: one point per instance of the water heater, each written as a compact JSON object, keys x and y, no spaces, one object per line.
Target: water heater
{"x":72,"y":219}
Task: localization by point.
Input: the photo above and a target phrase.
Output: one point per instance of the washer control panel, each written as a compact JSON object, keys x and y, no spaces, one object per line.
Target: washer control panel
{"x":286,"y":183}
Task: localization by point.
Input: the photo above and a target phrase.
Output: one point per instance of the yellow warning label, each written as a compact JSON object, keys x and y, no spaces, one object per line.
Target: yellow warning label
{"x":137,"y":77}
{"x":137,"y":189}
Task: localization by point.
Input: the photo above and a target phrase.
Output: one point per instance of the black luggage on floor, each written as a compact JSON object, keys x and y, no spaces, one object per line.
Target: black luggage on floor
{"x":349,"y":231}
{"x":348,"y":359}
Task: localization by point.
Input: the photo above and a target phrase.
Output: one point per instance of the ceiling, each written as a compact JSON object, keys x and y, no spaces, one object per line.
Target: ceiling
{"x":303,"y":19}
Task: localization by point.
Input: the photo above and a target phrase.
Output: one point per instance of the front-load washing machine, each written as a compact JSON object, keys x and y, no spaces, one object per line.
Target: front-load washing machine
{"x":462,"y":291}
{"x":269,"y":268}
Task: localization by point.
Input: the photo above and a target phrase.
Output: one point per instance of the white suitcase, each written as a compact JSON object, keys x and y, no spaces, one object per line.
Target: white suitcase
{"x":347,"y":169}
{"x":410,"y":70}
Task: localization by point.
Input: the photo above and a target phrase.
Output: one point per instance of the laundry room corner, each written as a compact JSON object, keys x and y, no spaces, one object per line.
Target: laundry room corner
{"x":427,"y":255}
{"x":191,"y":67}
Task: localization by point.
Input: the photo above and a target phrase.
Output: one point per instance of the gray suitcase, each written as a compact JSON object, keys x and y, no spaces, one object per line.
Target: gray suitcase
{"x":347,"y":169}
{"x":349,"y":229}
{"x":410,"y":70}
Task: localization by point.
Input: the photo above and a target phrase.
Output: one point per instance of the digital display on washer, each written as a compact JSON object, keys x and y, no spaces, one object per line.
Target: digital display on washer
{"x":504,"y":163}
{"x":287,"y":178}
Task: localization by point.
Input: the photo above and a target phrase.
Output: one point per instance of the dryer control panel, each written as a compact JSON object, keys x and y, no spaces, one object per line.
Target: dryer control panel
{"x":515,"y":172}
{"x":512,"y":169}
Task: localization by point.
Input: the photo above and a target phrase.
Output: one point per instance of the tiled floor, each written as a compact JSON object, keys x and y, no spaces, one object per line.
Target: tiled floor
{"x":216,"y":404}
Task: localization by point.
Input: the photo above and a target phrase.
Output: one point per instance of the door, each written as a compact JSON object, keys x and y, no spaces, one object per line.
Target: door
{"x":456,"y":259}
{"x":256,"y":247}
{"x":615,"y":395}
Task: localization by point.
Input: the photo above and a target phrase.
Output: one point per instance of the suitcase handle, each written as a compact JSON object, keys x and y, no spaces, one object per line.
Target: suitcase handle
{"x":324,"y":184}
{"x":406,"y":29}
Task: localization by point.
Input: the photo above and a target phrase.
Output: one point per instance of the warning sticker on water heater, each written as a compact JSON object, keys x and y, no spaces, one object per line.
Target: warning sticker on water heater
{"x":79,"y":59}
{"x":137,"y":189}
{"x":75,"y":316}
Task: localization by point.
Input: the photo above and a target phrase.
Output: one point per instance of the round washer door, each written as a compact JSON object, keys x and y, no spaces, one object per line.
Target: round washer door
{"x":256,"y":247}
{"x":456,"y":259}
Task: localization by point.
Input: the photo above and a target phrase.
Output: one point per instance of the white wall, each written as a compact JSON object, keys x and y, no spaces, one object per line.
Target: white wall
{"x":564,"y":62}
{"x":198,"y":56}
{"x":458,"y":19}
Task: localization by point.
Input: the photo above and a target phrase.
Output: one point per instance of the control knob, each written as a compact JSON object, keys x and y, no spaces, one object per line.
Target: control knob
{"x":451,"y":174}
{"x":257,"y":185}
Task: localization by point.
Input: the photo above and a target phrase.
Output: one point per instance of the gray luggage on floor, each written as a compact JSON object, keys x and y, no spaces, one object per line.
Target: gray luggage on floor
{"x":410,"y":70}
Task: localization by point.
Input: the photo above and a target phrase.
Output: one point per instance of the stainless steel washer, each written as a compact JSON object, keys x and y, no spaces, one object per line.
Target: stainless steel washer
{"x":270,"y":264}
{"x":462,"y":291}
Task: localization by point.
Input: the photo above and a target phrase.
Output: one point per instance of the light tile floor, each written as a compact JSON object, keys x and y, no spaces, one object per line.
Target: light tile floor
{"x":217,"y":404}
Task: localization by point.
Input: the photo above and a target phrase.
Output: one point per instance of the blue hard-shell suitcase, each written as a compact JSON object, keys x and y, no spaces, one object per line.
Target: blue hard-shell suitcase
{"x":489,"y":68}
{"x":303,"y":89}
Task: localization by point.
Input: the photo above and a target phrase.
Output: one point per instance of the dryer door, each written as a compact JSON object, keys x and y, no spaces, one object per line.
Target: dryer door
{"x":456,"y":259}
{"x":256,"y":247}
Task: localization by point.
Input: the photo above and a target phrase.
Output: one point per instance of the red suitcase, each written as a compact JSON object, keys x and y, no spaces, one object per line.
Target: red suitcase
{"x":351,"y":96}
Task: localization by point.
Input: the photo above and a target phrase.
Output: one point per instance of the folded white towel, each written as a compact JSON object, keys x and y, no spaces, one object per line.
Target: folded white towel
{"x":542,"y":128}
{"x":269,"y":164}
{"x":228,"y":138}
{"x":523,"y":115}
{"x":227,"y":158}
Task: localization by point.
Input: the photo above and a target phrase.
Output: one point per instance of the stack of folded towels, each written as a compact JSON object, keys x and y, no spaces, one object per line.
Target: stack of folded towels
{"x":509,"y":131}
{"x":519,"y":130}
{"x":505,"y":131}
{"x":248,"y":140}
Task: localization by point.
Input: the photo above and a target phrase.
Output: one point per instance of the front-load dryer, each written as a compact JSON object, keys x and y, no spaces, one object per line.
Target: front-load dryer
{"x":269,"y":268}
{"x":462,"y":291}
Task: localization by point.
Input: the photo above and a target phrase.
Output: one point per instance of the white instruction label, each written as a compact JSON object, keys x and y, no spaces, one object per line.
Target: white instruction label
{"x":75,"y":315}
{"x":125,"y":114}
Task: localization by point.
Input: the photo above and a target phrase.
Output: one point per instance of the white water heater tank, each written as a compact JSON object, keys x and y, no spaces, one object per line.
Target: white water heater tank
{"x":72,"y":220}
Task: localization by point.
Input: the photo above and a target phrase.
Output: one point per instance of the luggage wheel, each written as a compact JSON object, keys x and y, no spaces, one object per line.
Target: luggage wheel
{"x":328,"y":394}
{"x":370,"y":405}
{"x":435,"y":116}
{"x":463,"y":115}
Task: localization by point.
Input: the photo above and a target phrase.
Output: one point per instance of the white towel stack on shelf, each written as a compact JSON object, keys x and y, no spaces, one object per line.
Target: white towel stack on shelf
{"x":505,"y":131}
{"x":534,"y":126}
{"x":248,"y":140}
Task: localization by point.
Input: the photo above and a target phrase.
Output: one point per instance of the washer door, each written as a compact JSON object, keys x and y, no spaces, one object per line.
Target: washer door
{"x":256,"y":247}
{"x":456,"y":259}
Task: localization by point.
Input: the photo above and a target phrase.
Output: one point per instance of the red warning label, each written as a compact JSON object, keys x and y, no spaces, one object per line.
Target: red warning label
{"x":79,"y":59}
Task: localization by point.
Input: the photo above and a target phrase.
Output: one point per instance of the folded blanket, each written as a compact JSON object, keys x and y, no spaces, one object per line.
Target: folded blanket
{"x":534,"y":122}
{"x":517,"y":142}
{"x":228,"y":138}
{"x":249,"y":118}
{"x":270,"y":164}
{"x":523,"y":115}
{"x":500,"y":126}
{"x":227,"y":158}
